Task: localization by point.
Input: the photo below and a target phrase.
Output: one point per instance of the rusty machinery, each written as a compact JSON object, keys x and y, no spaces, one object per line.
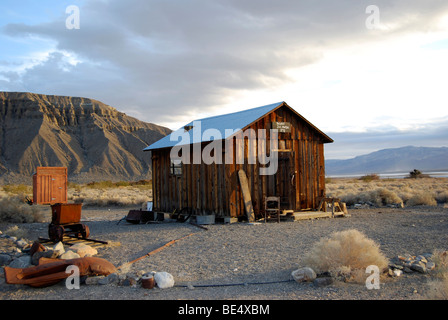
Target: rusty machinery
{"x":50,"y":188}
{"x":65,"y":220}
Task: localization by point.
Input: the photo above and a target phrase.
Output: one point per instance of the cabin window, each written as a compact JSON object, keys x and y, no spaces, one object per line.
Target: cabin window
{"x":176,"y":167}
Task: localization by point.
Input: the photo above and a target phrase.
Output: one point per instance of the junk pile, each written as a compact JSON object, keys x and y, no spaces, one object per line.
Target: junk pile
{"x":37,"y":265}
{"x":51,"y":271}
{"x":65,"y":223}
{"x":148,"y":216}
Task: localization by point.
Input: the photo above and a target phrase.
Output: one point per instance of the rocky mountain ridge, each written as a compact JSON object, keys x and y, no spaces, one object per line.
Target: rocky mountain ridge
{"x":391,"y":160}
{"x":93,"y":140}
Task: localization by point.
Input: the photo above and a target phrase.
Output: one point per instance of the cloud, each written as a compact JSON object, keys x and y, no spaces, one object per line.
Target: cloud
{"x":170,"y":60}
{"x":351,"y":144}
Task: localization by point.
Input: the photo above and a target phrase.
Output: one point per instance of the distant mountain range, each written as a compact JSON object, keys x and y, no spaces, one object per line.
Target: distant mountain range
{"x":93,"y":140}
{"x":394,"y":160}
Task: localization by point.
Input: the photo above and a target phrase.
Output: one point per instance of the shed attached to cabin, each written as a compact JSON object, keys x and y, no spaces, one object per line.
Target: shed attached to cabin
{"x":196,"y":166}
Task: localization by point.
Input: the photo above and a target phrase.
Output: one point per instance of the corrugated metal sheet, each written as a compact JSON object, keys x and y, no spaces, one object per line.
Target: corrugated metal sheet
{"x":226,"y":125}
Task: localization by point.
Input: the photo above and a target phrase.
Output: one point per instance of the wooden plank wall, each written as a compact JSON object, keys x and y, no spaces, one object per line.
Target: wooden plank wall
{"x":215,"y":188}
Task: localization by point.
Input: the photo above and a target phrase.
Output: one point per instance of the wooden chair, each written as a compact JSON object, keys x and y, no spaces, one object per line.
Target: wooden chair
{"x":272,"y":208}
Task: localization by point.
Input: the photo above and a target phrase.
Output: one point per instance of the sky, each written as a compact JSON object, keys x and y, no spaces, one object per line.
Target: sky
{"x":370,"y":74}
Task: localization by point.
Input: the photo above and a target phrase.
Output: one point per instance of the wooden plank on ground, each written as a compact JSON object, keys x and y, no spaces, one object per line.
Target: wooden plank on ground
{"x":311,"y":215}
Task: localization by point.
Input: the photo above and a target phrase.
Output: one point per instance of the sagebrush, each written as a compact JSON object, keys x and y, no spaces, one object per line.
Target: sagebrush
{"x":438,"y":287}
{"x":345,"y":254}
{"x":14,"y":209}
{"x":383,"y":192}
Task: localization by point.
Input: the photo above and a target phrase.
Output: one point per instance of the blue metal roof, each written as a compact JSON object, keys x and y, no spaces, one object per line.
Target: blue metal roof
{"x":225,"y":125}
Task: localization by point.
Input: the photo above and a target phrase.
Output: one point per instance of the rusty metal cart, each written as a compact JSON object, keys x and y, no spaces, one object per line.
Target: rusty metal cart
{"x":65,"y":220}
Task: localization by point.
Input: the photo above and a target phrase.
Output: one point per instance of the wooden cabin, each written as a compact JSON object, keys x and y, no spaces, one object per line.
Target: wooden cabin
{"x":184,"y":177}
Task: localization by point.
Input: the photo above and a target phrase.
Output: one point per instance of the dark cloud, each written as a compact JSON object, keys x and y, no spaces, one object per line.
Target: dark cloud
{"x":165,"y":58}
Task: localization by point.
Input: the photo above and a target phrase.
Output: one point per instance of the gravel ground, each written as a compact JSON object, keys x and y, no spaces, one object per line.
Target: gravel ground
{"x":245,"y":255}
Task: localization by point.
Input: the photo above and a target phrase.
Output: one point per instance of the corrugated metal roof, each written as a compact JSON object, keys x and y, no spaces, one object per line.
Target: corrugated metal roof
{"x":223,"y":125}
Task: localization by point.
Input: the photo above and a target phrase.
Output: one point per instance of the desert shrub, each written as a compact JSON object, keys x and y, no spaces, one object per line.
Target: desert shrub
{"x":416,"y":174}
{"x":442,"y":196}
{"x":100,"y":184}
{"x":122,"y":184}
{"x":120,"y":196}
{"x":350,"y":199}
{"x":379,"y":197}
{"x":141,"y":183}
{"x":422,"y":198}
{"x":370,"y":177}
{"x":405,"y":193}
{"x":17,"y":189}
{"x":107,"y":184}
{"x":14,"y":209}
{"x":438,"y":288}
{"x":440,"y":258}
{"x":383,"y":196}
{"x":345,"y":254}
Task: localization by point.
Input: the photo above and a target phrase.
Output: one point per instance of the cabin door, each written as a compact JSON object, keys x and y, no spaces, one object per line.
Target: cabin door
{"x":285,"y":180}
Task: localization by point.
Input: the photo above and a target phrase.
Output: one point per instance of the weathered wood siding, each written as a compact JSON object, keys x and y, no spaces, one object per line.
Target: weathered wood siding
{"x":215,"y":188}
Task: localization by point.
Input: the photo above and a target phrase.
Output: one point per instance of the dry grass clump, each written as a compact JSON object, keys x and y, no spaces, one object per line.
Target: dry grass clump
{"x":114,"y":196}
{"x":107,"y":184}
{"x":383,"y":192}
{"x":346,"y":255}
{"x":17,"y":189}
{"x":370,"y":177}
{"x":103,"y":193}
{"x":438,"y":288}
{"x":422,"y":198}
{"x":14,"y":209}
{"x":379,"y":197}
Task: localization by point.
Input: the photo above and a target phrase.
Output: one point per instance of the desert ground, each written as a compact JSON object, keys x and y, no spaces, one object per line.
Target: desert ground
{"x":241,"y":261}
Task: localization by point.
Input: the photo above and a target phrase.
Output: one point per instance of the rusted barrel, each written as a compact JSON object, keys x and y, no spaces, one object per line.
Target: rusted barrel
{"x":148,"y":281}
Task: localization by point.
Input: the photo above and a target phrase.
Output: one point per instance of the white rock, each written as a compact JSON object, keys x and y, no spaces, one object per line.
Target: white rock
{"x":304,"y":274}
{"x":83,"y":250}
{"x":397,"y":272}
{"x":164,"y":280}
{"x":69,"y":254}
{"x":59,"y":248}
